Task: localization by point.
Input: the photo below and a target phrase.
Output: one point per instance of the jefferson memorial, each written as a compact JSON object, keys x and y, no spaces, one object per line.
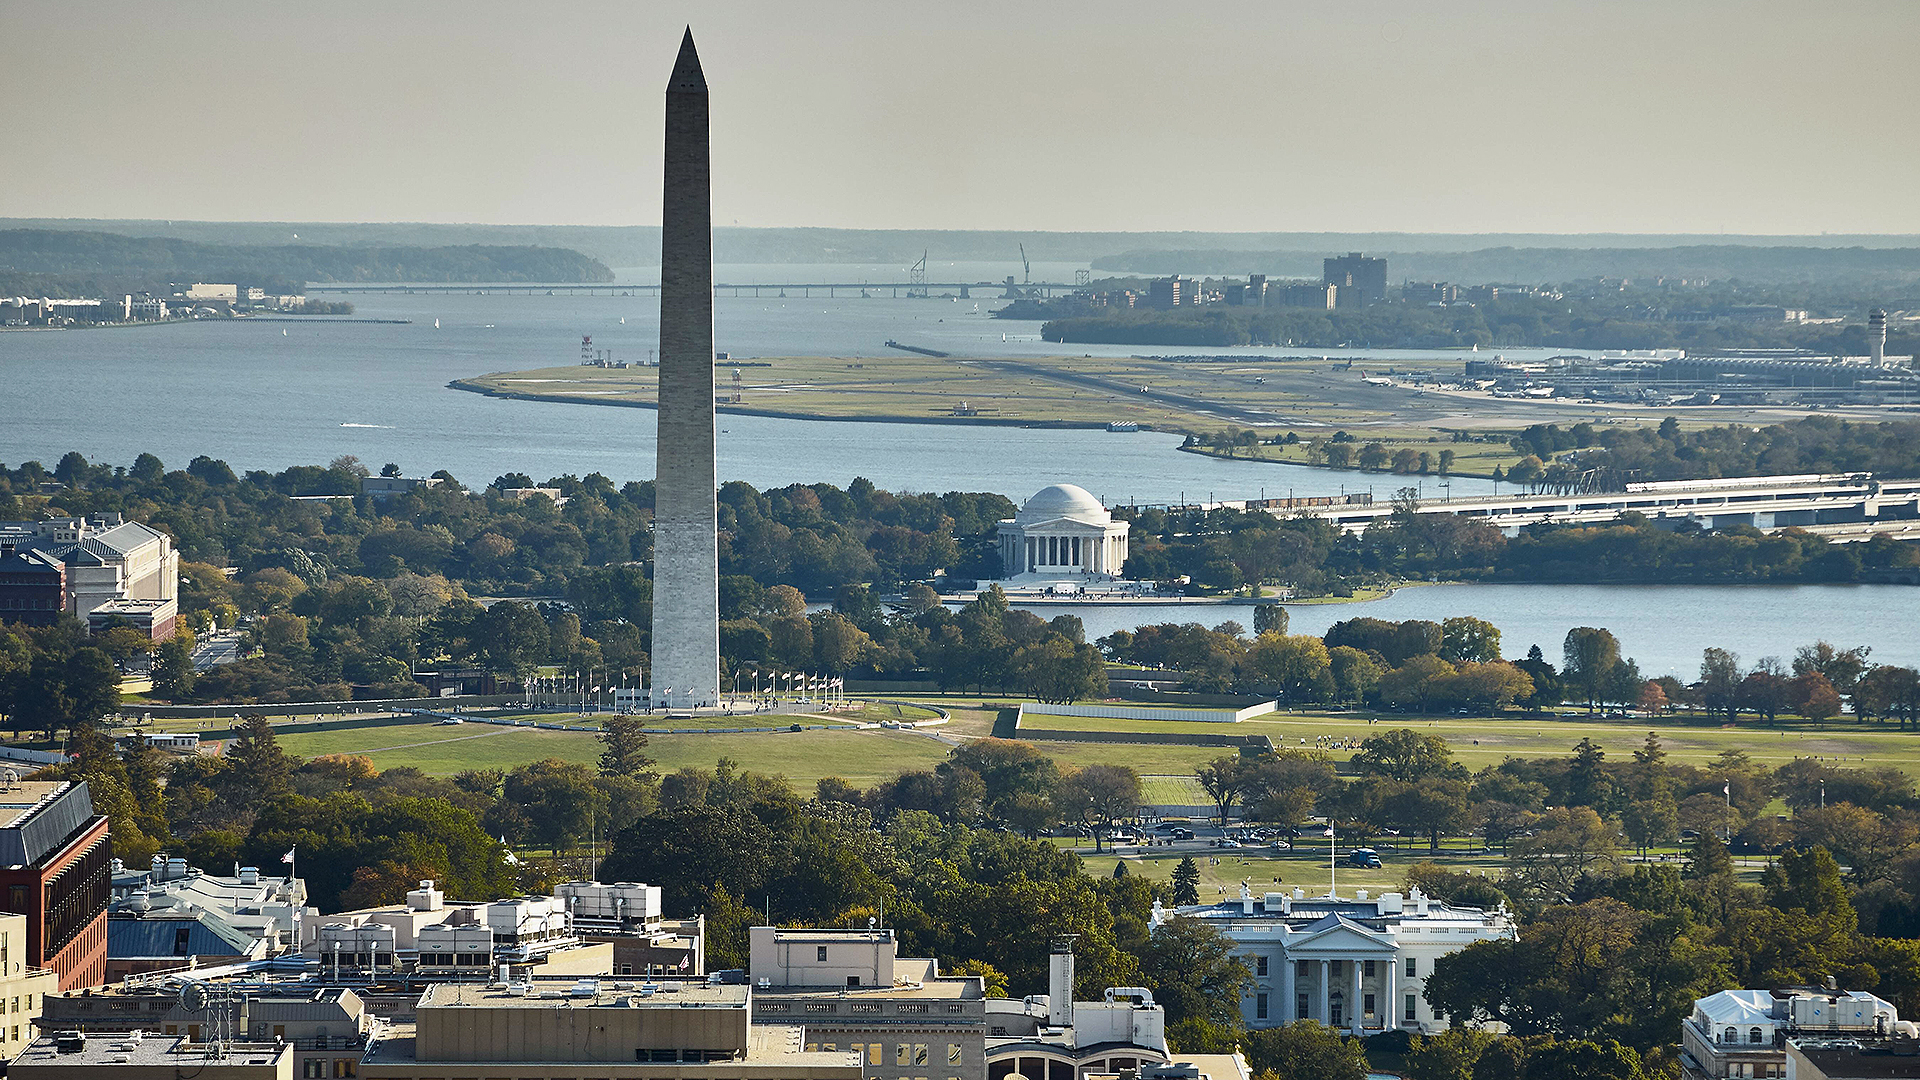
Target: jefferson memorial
{"x":1063,"y":532}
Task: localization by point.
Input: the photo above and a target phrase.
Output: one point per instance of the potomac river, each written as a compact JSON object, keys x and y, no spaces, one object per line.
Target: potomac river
{"x":266,"y":395}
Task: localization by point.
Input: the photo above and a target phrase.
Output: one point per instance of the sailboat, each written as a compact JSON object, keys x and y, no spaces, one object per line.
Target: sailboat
{"x":436,"y":324}
{"x":623,"y":320}
{"x":283,"y":332}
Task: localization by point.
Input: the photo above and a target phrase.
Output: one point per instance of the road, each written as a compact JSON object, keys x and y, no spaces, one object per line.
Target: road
{"x":213,"y":651}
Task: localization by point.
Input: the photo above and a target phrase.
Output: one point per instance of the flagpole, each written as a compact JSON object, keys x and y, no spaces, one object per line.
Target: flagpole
{"x":1728,"y":790}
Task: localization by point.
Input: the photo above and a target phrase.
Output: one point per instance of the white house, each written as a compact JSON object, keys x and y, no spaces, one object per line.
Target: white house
{"x":1358,"y":962}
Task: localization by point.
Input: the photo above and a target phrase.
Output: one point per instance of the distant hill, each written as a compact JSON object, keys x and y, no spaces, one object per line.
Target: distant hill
{"x":65,"y":259}
{"x":1533,"y":265}
{"x":639,"y":245}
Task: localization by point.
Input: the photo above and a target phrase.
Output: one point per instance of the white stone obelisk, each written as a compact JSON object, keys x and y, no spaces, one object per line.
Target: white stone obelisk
{"x":686,"y":576}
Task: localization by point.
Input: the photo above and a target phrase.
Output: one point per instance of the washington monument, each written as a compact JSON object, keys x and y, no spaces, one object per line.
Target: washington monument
{"x":686,"y":577}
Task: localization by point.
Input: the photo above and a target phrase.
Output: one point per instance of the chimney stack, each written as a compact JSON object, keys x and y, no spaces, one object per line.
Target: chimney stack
{"x":1060,"y":983}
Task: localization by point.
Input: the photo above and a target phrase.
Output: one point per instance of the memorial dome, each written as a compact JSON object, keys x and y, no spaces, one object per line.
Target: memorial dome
{"x":1063,"y":501}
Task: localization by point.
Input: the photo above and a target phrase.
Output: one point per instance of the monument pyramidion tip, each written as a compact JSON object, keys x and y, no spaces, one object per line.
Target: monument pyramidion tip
{"x":687,"y":78}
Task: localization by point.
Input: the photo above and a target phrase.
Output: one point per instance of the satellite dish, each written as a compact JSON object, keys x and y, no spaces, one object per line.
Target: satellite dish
{"x":193,"y":997}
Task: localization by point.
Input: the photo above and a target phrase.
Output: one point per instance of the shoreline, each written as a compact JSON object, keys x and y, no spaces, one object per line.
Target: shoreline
{"x":725,"y":409}
{"x":1204,"y":451}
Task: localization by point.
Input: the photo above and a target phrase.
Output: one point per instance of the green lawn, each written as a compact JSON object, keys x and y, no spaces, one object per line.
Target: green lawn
{"x":862,"y":757}
{"x":1481,"y":741}
{"x":1305,"y":866}
{"x":1144,"y":758}
{"x":1182,"y":790}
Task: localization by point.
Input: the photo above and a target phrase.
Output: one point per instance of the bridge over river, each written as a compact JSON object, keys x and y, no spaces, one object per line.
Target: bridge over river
{"x":1843,"y":507}
{"x":871,"y":289}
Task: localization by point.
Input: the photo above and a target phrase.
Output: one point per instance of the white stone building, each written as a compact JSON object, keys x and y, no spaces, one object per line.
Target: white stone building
{"x":1359,"y":963}
{"x":1063,"y":532}
{"x":112,"y":567}
{"x":1050,"y":1036}
{"x":1745,"y":1033}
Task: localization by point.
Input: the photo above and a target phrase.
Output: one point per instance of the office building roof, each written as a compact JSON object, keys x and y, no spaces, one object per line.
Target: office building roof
{"x":38,"y":816}
{"x":604,"y":993}
{"x":105,"y":1051}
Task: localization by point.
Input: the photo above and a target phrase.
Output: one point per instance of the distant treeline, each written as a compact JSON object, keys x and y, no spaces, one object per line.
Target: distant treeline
{"x":72,"y":261}
{"x":639,"y":245}
{"x":1782,"y":263}
{"x":1817,"y":444}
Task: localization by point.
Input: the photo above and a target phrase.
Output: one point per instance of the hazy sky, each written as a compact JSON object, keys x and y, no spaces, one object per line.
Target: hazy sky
{"x":1530,"y":115}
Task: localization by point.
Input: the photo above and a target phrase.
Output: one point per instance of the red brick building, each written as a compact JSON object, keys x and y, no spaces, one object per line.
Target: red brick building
{"x":55,"y":869}
{"x":33,"y":586}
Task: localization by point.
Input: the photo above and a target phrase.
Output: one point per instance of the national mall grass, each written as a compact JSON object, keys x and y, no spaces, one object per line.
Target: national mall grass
{"x":1482,"y":741}
{"x":863,"y":757}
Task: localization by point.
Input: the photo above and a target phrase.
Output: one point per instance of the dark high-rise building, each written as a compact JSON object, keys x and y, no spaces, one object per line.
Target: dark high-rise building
{"x":1360,"y":280}
{"x":1169,"y":292}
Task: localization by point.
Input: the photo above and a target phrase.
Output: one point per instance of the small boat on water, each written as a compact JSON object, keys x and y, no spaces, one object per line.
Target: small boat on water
{"x":436,"y":324}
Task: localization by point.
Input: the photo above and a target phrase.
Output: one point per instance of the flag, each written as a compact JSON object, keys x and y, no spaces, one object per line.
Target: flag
{"x":683,"y":963}
{"x":1329,"y":833}
{"x":1728,"y":789}
{"x":288,"y":857}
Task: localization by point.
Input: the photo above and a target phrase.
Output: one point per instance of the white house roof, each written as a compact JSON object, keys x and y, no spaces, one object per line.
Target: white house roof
{"x":1339,"y":934}
{"x":1737,"y":1007}
{"x":1063,"y":501}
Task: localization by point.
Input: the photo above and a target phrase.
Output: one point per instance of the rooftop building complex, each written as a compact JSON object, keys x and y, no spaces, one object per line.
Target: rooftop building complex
{"x":852,"y":991}
{"x":70,"y":1056}
{"x":1053,"y":1037}
{"x":426,"y":937}
{"x":325,"y":1028}
{"x":596,"y":1029}
{"x":1750,"y":1033}
{"x":263,"y":907}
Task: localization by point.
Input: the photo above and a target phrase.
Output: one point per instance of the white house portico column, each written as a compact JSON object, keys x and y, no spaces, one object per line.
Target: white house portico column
{"x":1326,"y":979}
{"x":1355,"y":1018}
{"x":1288,"y":1008}
{"x":1390,"y":1015}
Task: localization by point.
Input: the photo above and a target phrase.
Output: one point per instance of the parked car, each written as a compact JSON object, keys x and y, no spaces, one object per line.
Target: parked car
{"x":1183,"y":834}
{"x":1279,"y":845}
{"x":1363,"y":856}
